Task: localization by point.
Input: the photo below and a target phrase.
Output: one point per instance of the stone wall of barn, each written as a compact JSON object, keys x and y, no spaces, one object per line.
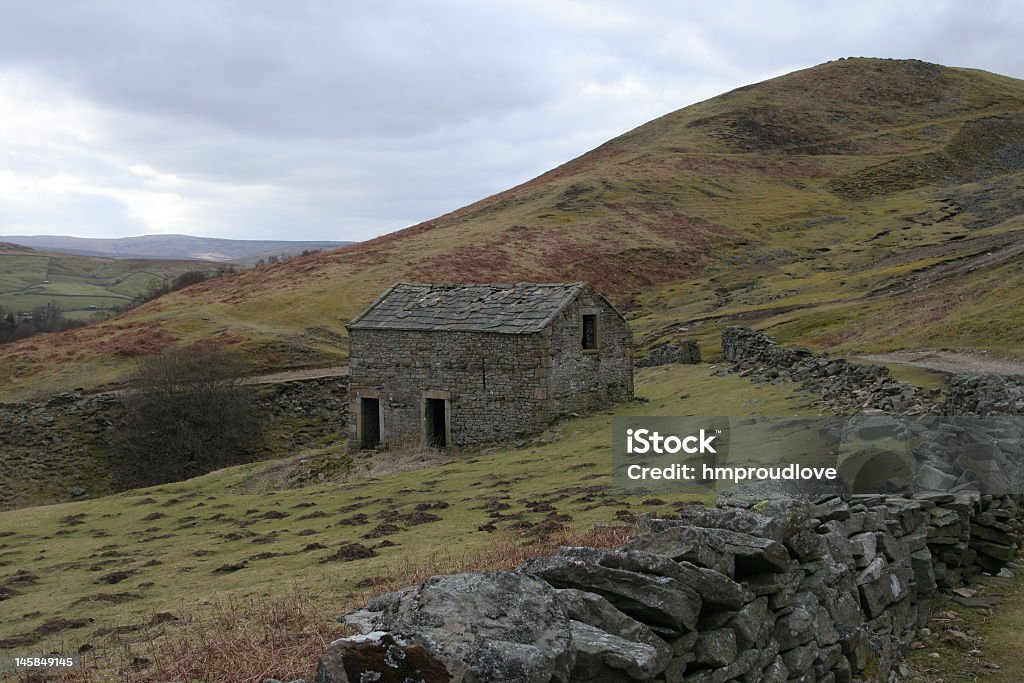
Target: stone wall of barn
{"x":494,"y":383}
{"x":579,"y":379}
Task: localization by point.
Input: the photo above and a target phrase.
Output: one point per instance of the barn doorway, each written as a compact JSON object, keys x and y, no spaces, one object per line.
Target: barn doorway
{"x":369,"y":423}
{"x":436,"y":419}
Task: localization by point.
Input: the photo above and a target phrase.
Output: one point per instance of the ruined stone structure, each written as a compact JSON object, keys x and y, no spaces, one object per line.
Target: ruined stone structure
{"x":685,"y":351}
{"x":467,"y":364}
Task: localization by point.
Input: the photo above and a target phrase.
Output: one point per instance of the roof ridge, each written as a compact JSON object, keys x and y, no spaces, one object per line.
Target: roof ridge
{"x":520,"y":308}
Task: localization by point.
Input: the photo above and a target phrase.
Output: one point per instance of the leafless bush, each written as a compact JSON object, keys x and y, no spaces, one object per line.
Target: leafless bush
{"x":187,"y":413}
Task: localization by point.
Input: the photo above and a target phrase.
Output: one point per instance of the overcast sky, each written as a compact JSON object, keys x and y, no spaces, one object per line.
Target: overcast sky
{"x":343,"y":120}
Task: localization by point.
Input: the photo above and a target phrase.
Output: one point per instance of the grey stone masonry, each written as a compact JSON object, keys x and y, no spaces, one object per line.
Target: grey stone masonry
{"x":500,"y":361}
{"x":783,"y":590}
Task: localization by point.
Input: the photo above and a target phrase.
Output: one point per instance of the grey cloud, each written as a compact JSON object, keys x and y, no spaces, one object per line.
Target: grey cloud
{"x":345,"y":120}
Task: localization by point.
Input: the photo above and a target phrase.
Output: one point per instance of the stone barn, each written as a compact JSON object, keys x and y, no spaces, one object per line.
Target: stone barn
{"x":459,"y":365}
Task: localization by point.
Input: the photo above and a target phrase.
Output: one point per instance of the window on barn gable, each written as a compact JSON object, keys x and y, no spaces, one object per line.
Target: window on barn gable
{"x":590,"y":331}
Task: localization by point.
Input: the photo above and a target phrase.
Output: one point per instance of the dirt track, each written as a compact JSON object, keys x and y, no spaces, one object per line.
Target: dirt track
{"x":950,"y":361}
{"x":290,"y":375}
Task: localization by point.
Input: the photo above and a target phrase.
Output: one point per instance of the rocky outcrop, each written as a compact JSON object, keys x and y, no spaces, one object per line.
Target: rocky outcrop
{"x":781,"y":590}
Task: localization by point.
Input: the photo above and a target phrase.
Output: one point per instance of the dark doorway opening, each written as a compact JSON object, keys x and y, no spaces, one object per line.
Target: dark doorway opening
{"x":437,"y":436}
{"x":369,"y":420}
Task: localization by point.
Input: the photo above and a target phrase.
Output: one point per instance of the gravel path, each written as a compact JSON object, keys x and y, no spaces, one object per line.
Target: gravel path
{"x":951,"y":362}
{"x":289,"y":375}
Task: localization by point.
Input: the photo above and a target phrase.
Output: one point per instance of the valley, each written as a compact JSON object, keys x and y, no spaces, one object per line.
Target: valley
{"x":82,"y":286}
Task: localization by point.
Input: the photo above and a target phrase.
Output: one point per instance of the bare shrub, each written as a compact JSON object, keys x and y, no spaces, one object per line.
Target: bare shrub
{"x":187,"y":414}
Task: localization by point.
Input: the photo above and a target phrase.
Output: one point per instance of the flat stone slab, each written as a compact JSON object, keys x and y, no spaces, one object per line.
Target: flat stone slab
{"x":977,"y":601}
{"x":601,"y":656}
{"x":654,"y":600}
{"x":728,"y":552}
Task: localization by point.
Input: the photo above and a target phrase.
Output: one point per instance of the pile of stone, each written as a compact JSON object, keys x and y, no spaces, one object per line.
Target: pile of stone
{"x":830,"y":591}
{"x":685,"y":351}
{"x":842,"y":386}
{"x":984,"y":395}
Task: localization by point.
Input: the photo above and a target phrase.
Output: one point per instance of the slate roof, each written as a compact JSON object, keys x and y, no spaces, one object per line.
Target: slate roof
{"x":522,"y":308}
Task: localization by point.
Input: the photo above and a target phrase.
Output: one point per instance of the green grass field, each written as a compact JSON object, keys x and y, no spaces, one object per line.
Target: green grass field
{"x":80,"y":285}
{"x":237,"y":534}
{"x":993,"y":634}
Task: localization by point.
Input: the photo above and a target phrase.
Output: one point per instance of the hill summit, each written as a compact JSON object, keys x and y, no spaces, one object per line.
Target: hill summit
{"x":865,"y":204}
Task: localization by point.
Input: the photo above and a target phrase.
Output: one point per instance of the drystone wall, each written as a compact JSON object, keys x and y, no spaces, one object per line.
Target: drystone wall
{"x":53,"y":451}
{"x":830,"y":591}
{"x":57,"y":450}
{"x":843,"y":386}
{"x":846,"y":386}
{"x":972,"y":440}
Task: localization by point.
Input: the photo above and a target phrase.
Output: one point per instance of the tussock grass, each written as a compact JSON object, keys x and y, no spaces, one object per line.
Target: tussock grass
{"x":231,"y":640}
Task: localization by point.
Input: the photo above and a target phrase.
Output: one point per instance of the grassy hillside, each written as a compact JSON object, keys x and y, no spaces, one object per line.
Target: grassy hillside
{"x":80,"y":285}
{"x":861,"y":205}
{"x":238,"y":533}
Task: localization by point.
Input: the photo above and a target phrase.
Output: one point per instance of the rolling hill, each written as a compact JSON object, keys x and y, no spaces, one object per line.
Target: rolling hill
{"x":171,"y":247}
{"x":81,"y":285}
{"x":860,"y":205}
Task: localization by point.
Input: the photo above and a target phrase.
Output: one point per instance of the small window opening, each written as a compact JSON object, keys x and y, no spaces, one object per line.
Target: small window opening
{"x":590,"y":331}
{"x":369,"y":409}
